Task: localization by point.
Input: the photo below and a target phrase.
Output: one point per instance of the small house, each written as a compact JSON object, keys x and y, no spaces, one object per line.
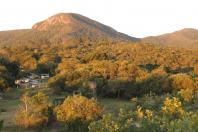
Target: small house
{"x":45,"y":76}
{"x":34,"y":76}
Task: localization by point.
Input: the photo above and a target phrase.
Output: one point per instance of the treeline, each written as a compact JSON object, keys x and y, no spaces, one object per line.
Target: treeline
{"x":119,"y":79}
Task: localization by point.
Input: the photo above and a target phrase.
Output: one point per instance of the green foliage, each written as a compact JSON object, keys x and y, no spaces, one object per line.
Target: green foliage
{"x":158,"y":84}
{"x":76,"y":126}
{"x":48,"y":68}
{"x":186,"y":123}
{"x":144,"y":120}
{"x":124,"y":122}
{"x":111,"y":123}
{"x":149,"y":67}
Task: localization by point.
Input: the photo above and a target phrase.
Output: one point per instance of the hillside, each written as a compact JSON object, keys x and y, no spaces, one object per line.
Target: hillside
{"x":186,"y":38}
{"x":64,"y":28}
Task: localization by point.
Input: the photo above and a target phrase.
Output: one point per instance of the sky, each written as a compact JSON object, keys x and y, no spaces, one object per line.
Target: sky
{"x":138,"y":18}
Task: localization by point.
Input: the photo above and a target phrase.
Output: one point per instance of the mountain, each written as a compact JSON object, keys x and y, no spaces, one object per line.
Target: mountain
{"x":71,"y":28}
{"x":185,"y":38}
{"x":62,"y":28}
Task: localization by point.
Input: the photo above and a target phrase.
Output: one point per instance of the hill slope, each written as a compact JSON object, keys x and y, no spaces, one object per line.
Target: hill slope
{"x":61,"y":28}
{"x":186,"y":38}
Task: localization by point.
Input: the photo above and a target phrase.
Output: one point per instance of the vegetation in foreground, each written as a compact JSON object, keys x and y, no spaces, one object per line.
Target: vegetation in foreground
{"x":151,"y":112}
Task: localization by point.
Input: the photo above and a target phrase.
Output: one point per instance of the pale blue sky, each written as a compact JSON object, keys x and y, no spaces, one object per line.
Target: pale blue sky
{"x":137,"y":18}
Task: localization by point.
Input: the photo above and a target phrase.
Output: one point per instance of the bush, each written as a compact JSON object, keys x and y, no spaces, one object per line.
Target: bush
{"x":126,"y":121}
{"x":78,"y":107}
{"x":173,"y":107}
{"x":113,"y":123}
{"x":154,"y":83}
{"x":147,"y":120}
{"x":77,"y":112}
{"x":187,"y":123}
{"x":181,"y":81}
{"x":33,"y":111}
{"x":187,"y":94}
{"x":185,"y":85}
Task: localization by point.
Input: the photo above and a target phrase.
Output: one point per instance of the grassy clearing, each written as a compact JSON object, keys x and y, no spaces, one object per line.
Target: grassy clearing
{"x":114,"y":105}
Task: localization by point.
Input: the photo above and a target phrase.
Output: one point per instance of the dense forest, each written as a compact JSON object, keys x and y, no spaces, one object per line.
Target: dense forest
{"x":117,"y":67}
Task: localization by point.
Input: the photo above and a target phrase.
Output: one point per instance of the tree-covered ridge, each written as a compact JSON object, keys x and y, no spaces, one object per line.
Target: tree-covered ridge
{"x":138,"y":54}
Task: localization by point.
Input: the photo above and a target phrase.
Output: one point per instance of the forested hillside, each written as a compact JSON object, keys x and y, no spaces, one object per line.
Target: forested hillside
{"x":125,"y":64}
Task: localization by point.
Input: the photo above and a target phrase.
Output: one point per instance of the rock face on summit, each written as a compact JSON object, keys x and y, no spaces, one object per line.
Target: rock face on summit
{"x":70,"y":23}
{"x":60,"y":19}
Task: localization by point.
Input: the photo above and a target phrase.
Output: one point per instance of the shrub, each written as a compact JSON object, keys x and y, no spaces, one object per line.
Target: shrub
{"x":126,"y":121}
{"x":173,"y":107}
{"x":33,"y":111}
{"x":185,"y":85}
{"x":187,"y":94}
{"x":154,"y":83}
{"x":187,"y":123}
{"x":77,"y":112}
{"x":181,"y":81}
{"x":113,"y":123}
{"x":140,"y":114}
{"x":78,"y":108}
